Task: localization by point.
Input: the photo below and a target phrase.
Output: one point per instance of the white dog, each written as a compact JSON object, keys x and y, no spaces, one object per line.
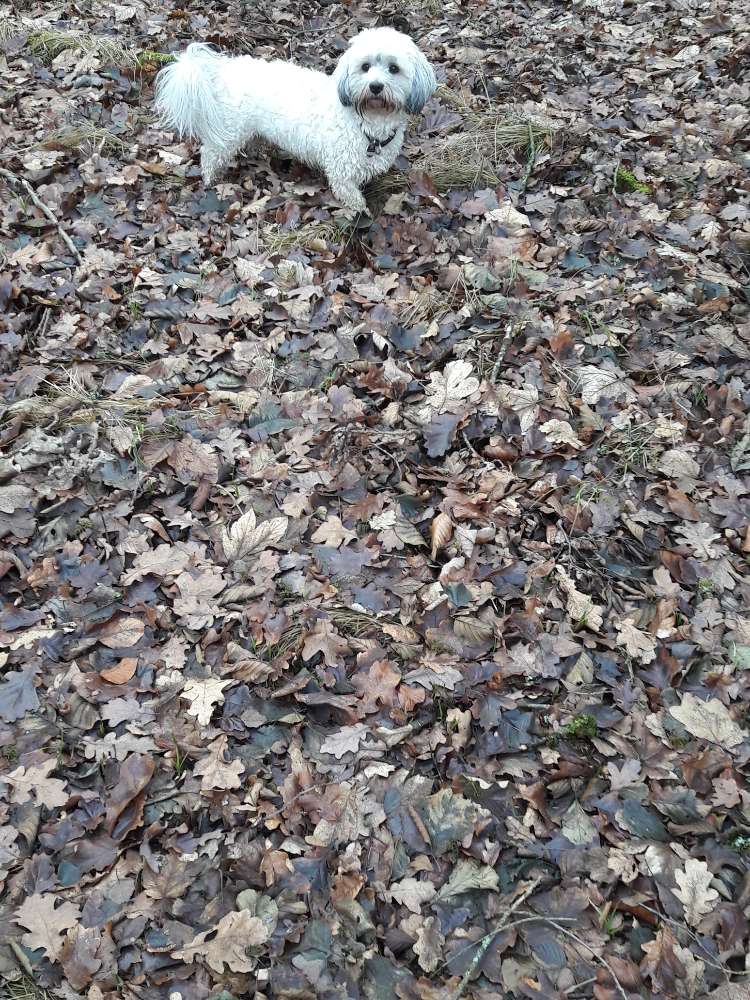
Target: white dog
{"x":349,"y":125}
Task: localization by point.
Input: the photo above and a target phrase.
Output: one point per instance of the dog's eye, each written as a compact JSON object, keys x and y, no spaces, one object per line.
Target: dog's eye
{"x":365,"y":67}
{"x":393,"y":68}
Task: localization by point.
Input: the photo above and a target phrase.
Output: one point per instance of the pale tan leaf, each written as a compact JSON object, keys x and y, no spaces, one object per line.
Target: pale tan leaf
{"x":34,"y":780}
{"x":230,"y":939}
{"x":349,"y":815}
{"x":428,"y":946}
{"x":122,"y":632}
{"x":346,"y":740}
{"x":577,"y":826}
{"x":325,"y":639}
{"x":400,"y":633}
{"x":441,"y":532}
{"x":560,"y":432}
{"x":580,"y":607}
{"x":467,"y":876}
{"x":412,"y":893}
{"x":637,"y":644}
{"x":245,"y":537}
{"x":332,"y":532}
{"x":204,"y":695}
{"x":473,"y":630}
{"x":233,"y":538}
{"x":215,"y":772}
{"x":708,"y":720}
{"x":695,"y":893}
{"x":407,"y":532}
{"x":45,"y":924}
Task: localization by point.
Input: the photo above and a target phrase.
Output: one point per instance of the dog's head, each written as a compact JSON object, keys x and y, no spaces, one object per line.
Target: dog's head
{"x":383,"y":72}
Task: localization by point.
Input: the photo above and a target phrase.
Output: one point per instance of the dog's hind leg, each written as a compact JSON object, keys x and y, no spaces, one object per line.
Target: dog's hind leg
{"x":213,"y":161}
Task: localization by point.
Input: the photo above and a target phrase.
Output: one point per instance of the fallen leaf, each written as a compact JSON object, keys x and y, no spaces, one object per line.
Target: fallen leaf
{"x":18,"y":694}
{"x":122,"y":633}
{"x":638,"y":644}
{"x":708,"y":720}
{"x":412,"y":893}
{"x":467,"y":876}
{"x":204,"y":695}
{"x":126,"y":799}
{"x":35,"y":781}
{"x":214,"y":772}
{"x":346,"y":740}
{"x":46,"y":923}
{"x":441,"y":532}
{"x":694,"y":892}
{"x":230,"y":940}
{"x":121,"y":672}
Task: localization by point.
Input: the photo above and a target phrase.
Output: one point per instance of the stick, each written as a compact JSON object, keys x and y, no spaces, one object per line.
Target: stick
{"x":599,"y":959}
{"x":487,"y":940}
{"x":45,"y":209}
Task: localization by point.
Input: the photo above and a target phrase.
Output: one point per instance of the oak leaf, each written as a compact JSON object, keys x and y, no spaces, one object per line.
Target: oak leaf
{"x":204,"y":695}
{"x":695,"y":893}
{"x":46,"y":924}
{"x":230,"y":939}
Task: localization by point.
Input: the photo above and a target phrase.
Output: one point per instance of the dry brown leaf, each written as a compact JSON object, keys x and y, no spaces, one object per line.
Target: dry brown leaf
{"x":441,"y":532}
{"x":695,"y":892}
{"x":204,"y":695}
{"x":215,"y":772}
{"x":708,"y":720}
{"x":45,"y":923}
{"x":230,"y":940}
{"x":121,"y":672}
{"x":122,"y":633}
{"x":34,"y":781}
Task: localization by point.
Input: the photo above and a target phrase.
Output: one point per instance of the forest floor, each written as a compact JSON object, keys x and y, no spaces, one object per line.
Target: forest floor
{"x":374,"y":605}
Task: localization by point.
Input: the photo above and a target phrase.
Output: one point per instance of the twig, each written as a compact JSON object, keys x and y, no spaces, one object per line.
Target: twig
{"x":487,"y":940}
{"x":602,"y":961}
{"x":319,"y":785}
{"x":21,"y":958}
{"x":683,"y":927}
{"x":15,"y":179}
{"x":507,"y":337}
{"x":530,"y":161}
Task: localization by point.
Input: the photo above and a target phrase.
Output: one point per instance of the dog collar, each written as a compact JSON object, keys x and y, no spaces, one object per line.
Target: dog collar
{"x":376,"y":146}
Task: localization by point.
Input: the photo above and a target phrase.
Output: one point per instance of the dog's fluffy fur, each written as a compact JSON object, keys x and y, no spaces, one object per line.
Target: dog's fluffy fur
{"x":349,"y":125}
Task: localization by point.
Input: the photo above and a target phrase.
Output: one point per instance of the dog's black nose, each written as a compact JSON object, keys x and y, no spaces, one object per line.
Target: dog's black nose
{"x":376,"y":87}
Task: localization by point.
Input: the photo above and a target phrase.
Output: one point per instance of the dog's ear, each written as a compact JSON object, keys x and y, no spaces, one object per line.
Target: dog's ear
{"x":423,"y":83}
{"x":341,"y":77}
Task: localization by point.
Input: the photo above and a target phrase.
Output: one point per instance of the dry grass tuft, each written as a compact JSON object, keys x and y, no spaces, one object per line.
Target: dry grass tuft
{"x":471,"y":155}
{"x":84,"y":134}
{"x":22,"y":989}
{"x":46,"y":42}
{"x":312,"y":236}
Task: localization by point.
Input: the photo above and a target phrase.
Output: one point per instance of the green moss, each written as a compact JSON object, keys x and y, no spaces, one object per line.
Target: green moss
{"x":583,"y":727}
{"x":627,"y":181}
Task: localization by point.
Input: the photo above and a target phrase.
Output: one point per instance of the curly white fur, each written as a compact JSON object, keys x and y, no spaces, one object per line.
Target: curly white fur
{"x":349,"y":125}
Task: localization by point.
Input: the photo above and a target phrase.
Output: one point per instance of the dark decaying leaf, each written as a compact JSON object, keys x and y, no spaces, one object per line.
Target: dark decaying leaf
{"x":18,"y":694}
{"x":126,"y":799}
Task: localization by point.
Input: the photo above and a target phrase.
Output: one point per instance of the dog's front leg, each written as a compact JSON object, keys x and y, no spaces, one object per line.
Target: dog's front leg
{"x":347,"y":192}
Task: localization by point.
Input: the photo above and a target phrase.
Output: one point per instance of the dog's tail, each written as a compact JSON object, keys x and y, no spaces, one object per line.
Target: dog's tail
{"x":188,"y":95}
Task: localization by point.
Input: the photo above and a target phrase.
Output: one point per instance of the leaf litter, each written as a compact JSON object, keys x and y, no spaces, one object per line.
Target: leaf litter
{"x":373,"y":600}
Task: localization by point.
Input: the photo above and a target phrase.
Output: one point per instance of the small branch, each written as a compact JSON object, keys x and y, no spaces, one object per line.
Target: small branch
{"x":45,"y":209}
{"x":525,"y":176}
{"x":602,"y":961}
{"x":487,"y":940}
